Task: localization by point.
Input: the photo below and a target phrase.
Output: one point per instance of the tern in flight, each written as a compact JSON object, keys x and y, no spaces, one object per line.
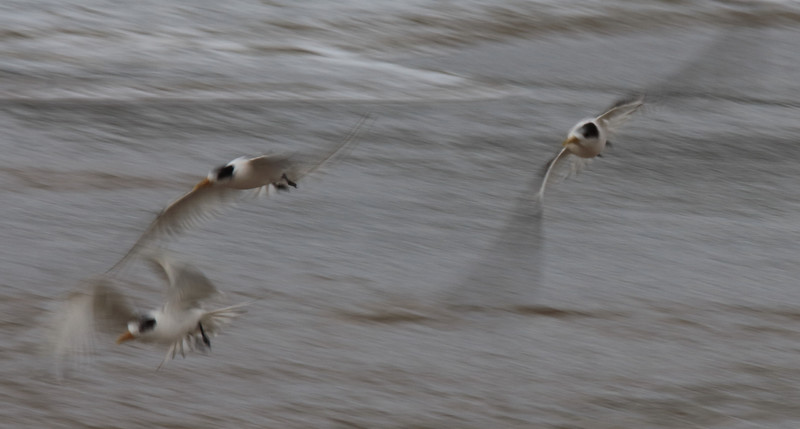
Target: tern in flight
{"x":182,"y":323}
{"x":586,"y":140}
{"x":227,"y":184}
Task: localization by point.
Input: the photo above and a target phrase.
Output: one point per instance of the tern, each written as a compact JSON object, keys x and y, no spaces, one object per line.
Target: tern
{"x":227,"y":184}
{"x":181,"y":323}
{"x":587,"y":139}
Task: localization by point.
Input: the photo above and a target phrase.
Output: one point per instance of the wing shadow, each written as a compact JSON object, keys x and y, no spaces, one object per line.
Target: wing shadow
{"x":509,"y":273}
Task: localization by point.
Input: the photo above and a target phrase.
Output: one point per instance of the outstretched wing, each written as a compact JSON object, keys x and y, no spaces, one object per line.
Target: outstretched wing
{"x":186,"y":285}
{"x":195,"y":207}
{"x":561,"y":167}
{"x":302,"y":165}
{"x":274,"y":169}
{"x":616,"y":115}
{"x":96,"y":306}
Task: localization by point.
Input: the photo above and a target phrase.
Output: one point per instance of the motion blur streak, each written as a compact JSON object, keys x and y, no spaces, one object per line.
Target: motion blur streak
{"x":404,"y":288}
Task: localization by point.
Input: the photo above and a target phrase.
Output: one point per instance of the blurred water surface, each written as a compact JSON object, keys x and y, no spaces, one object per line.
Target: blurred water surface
{"x":414,"y":284}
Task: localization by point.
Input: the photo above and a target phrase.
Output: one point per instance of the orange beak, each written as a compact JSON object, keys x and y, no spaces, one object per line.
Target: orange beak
{"x":127,"y":336}
{"x":203,"y":184}
{"x":570,"y":140}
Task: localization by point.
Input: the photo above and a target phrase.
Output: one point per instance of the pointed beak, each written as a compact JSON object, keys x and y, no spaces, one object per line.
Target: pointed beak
{"x":127,"y":336}
{"x":203,"y":184}
{"x":570,"y":140}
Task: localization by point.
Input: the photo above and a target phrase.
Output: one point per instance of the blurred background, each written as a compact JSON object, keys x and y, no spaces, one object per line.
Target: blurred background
{"x":414,"y":284}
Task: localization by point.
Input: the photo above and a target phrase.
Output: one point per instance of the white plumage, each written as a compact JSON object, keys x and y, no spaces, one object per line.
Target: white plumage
{"x":99,"y":307}
{"x":244,"y":177}
{"x":586,"y":140}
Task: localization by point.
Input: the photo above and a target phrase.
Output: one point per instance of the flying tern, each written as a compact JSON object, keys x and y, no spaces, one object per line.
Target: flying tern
{"x":182,"y":323}
{"x":227,"y":184}
{"x":586,"y":140}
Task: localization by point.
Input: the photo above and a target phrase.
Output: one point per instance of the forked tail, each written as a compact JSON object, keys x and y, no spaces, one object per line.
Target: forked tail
{"x":214,"y":320}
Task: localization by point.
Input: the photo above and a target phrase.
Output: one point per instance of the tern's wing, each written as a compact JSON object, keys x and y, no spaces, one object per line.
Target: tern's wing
{"x":96,"y":306}
{"x":619,"y":113}
{"x":278,"y":170}
{"x":302,"y":165}
{"x":188,"y":211}
{"x":186,"y":284}
{"x":562,"y":166}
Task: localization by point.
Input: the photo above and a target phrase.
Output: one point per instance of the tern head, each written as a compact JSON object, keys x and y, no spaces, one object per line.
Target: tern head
{"x":582,"y":132}
{"x":138,"y":327}
{"x":224,"y":173}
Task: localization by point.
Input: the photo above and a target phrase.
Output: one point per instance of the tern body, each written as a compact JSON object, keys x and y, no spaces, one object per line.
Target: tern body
{"x":586,"y":139}
{"x":252,"y":173}
{"x":164,"y":325}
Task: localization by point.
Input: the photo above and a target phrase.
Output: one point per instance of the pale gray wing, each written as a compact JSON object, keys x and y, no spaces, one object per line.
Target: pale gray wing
{"x":619,"y":113}
{"x":302,"y":165}
{"x":186,"y":285}
{"x":561,"y":167}
{"x":192,"y":209}
{"x":96,"y":306}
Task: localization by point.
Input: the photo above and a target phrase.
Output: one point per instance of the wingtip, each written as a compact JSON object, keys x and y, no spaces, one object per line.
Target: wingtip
{"x":345,"y":145}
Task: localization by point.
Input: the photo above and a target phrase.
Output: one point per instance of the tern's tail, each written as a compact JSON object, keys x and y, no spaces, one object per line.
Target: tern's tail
{"x":213,"y":321}
{"x":210,"y":326}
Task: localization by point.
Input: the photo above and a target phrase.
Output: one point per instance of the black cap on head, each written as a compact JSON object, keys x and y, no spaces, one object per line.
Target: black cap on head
{"x":146,"y":323}
{"x":589,"y":130}
{"x":224,"y":172}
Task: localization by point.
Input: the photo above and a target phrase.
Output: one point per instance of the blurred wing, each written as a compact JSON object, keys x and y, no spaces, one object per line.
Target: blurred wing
{"x":186,"y":284}
{"x":731,"y":66}
{"x":561,"y":167}
{"x":619,"y":113}
{"x":188,"y":211}
{"x":275,"y":172}
{"x":272,"y":167}
{"x":95,"y":307}
{"x":304,"y":165}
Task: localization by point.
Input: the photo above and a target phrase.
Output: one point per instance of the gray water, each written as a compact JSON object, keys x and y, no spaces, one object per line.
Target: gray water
{"x":414,"y":284}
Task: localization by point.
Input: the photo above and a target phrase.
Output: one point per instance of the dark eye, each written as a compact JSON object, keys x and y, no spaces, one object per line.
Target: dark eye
{"x":147,"y":325}
{"x":224,"y":172}
{"x":590,"y":131}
